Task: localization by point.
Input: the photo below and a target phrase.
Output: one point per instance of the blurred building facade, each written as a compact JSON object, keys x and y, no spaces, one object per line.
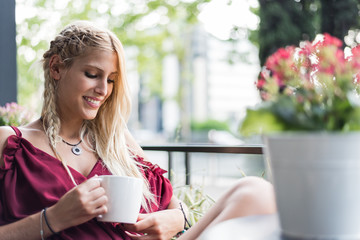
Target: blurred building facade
{"x":211,"y":89}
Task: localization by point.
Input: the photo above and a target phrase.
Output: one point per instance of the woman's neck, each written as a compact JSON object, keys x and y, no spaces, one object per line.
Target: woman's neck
{"x":70,"y":129}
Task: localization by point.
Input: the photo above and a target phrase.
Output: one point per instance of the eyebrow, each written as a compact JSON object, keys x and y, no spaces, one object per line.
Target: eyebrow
{"x":100,"y":69}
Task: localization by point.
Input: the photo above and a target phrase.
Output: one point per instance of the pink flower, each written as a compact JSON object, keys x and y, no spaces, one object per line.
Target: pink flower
{"x":315,"y":81}
{"x":14,"y":114}
{"x":282,"y":54}
{"x":293,"y":68}
{"x":260,"y":83}
{"x":331,"y":41}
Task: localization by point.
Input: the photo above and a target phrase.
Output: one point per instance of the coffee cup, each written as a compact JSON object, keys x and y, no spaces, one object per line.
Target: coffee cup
{"x":124,"y":198}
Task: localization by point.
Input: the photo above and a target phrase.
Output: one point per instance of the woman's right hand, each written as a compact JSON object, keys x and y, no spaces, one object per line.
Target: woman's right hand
{"x":79,"y":205}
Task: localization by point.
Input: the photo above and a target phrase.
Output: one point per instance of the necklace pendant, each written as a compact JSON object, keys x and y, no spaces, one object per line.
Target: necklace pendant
{"x":76,"y":150}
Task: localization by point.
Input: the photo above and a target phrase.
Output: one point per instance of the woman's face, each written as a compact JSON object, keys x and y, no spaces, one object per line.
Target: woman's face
{"x":86,"y":85}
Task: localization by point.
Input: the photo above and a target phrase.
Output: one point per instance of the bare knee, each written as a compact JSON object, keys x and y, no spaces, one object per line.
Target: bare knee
{"x":251,"y":196}
{"x":251,"y":184}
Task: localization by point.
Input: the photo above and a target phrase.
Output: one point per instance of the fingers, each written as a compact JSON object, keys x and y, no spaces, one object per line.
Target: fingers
{"x":134,"y":236}
{"x":148,"y":226}
{"x":138,"y":236}
{"x":88,"y":197}
{"x":145,"y":236}
{"x":97,"y":192}
{"x":99,"y":205}
{"x":100,"y":210}
{"x":96,"y":198}
{"x":158,"y":225}
{"x":90,"y":190}
{"x":90,"y":184}
{"x":142,"y":216}
{"x":145,"y":221}
{"x":81,"y":204}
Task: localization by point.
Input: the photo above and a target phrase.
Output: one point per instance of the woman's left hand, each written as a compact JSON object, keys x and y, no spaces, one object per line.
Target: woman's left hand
{"x":161,"y":225}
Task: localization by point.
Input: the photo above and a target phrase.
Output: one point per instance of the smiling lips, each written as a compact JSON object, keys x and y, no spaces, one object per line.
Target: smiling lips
{"x":93,"y":102}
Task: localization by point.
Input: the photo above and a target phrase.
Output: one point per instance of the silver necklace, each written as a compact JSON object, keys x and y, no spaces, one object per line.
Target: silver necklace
{"x":75,"y":147}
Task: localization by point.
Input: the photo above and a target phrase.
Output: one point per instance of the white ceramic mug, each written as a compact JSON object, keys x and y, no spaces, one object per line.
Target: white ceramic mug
{"x":124,"y":198}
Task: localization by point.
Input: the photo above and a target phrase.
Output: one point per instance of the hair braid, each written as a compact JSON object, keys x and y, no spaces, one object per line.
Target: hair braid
{"x":51,"y":121}
{"x":107,"y":131}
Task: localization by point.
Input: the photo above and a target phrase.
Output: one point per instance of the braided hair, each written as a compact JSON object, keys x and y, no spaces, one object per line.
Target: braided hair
{"x":106,"y":132}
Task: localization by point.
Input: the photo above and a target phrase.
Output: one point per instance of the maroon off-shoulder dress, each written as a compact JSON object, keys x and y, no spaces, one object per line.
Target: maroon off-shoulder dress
{"x":31,"y":179}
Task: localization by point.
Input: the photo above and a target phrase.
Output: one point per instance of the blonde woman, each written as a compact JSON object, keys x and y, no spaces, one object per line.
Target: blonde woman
{"x":46,"y":167}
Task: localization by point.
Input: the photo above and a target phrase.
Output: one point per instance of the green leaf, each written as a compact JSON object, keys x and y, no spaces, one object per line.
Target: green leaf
{"x":260,"y":121}
{"x":353,"y":123}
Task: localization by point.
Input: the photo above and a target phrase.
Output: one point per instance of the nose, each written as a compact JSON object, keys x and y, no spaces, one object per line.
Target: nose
{"x":102,"y":87}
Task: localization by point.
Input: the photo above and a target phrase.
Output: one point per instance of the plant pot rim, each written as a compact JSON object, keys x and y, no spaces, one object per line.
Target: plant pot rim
{"x":306,"y":134}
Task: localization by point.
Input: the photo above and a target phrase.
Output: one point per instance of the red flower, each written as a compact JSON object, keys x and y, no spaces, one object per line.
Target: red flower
{"x":330,"y":40}
{"x":355,"y":51}
{"x":260,"y":83}
{"x":282,"y":54}
{"x":313,"y":80}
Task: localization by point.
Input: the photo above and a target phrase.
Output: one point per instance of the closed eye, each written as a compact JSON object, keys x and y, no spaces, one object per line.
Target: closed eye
{"x":112,"y":77}
{"x":89,"y":75}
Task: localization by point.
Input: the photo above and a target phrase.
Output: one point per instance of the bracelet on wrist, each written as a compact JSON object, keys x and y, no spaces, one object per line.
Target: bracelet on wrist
{"x":180,"y":233}
{"x":47,"y":223}
{"x":41,"y":224}
{"x":186,"y":222}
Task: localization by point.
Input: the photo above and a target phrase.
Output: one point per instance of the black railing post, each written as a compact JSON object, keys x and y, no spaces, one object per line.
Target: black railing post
{"x":187,"y":149}
{"x":170,"y":167}
{"x":187,"y":168}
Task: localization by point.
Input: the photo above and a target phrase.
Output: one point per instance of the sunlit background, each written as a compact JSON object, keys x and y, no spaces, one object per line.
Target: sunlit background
{"x":192,"y":65}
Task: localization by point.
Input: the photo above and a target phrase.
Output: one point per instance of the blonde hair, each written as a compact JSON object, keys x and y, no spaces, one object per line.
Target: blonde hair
{"x":107,"y":130}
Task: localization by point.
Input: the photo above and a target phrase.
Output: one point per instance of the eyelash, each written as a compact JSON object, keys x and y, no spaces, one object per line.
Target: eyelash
{"x":90,"y":75}
{"x":95,"y":76}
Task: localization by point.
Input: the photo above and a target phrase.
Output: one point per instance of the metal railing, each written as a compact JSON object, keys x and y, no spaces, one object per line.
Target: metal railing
{"x":187,"y":149}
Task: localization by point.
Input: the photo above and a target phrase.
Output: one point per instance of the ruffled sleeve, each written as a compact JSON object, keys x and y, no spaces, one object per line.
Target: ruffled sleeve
{"x":8,"y":154}
{"x":27,"y":172}
{"x":160,"y":186}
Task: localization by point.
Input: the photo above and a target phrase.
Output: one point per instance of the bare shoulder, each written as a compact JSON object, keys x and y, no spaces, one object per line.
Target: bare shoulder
{"x":5,"y":133}
{"x":34,"y":133}
{"x":32,"y":129}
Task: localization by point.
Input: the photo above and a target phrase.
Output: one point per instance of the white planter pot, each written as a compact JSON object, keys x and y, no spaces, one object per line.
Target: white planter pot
{"x":317,"y":184}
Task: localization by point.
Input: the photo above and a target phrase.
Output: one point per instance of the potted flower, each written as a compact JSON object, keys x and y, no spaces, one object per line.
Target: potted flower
{"x":13,"y":114}
{"x":309,"y":113}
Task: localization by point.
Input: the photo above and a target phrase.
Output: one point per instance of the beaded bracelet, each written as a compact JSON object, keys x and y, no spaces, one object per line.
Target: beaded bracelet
{"x":47,"y":223}
{"x":180,"y":233}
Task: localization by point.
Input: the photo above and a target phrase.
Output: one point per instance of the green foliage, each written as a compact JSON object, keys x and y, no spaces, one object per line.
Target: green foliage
{"x":144,"y":27}
{"x":209,"y":125}
{"x":338,"y":16}
{"x":260,"y":120}
{"x":282,"y":23}
{"x":285,"y":22}
{"x":195,"y":199}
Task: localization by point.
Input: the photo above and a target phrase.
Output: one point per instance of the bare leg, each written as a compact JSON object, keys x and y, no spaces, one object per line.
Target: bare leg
{"x":250,"y":196}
